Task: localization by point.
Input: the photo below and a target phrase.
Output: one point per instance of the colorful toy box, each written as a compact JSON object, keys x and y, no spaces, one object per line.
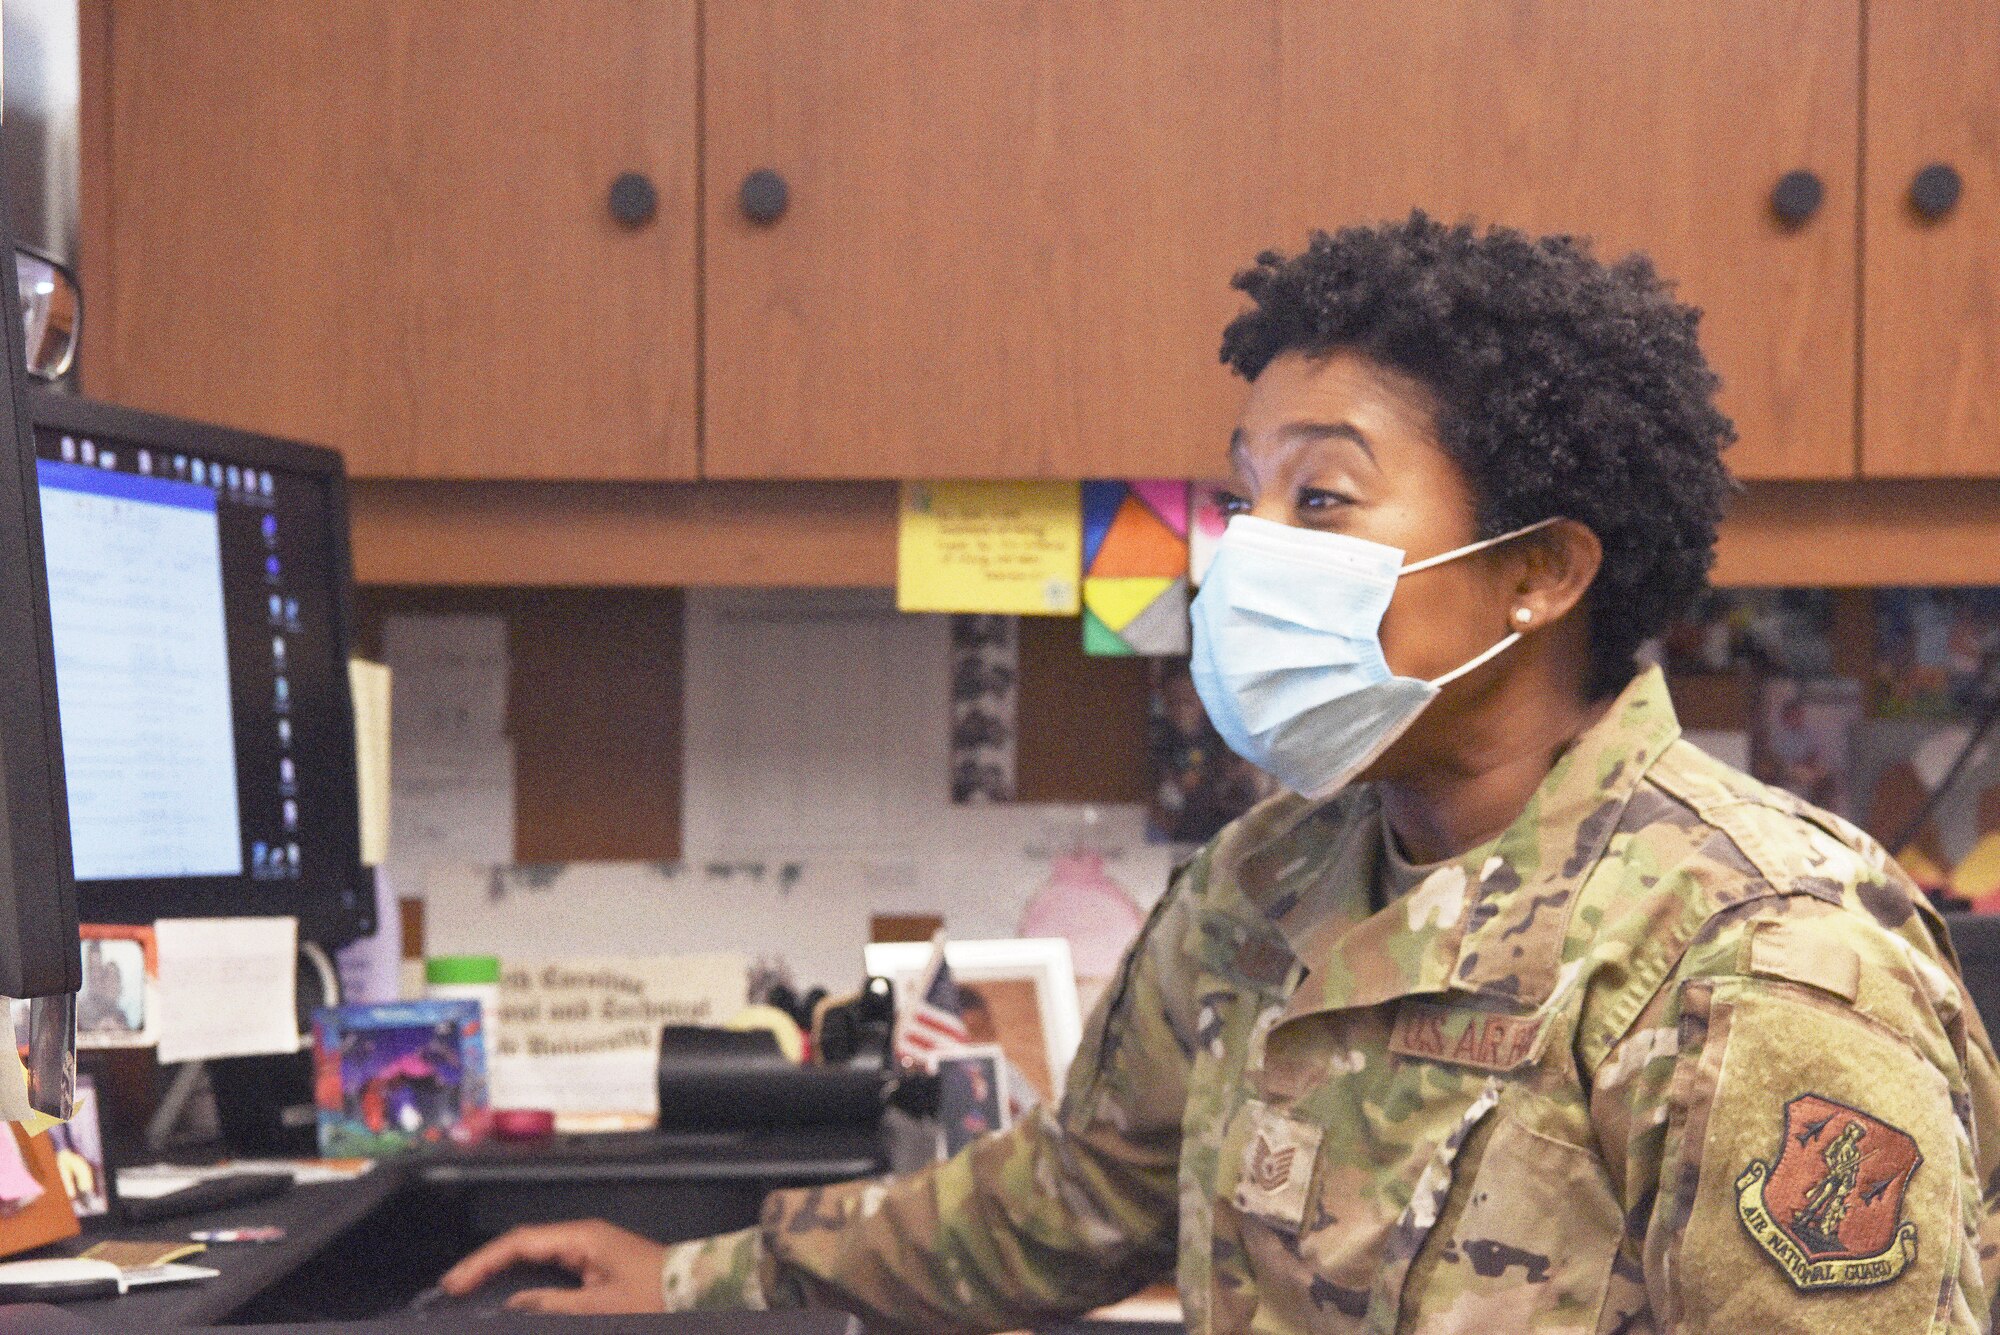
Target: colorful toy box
{"x":397,"y":1077}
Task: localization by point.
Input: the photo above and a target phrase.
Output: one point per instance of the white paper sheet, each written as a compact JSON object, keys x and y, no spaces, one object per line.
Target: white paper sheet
{"x":816,"y":721}
{"x":455,"y":807}
{"x":450,"y":676}
{"x":600,"y":1085}
{"x":228,"y":987}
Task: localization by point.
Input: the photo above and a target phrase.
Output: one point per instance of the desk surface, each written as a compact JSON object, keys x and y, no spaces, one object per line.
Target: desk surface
{"x":312,"y":1217}
{"x":316,"y":1218}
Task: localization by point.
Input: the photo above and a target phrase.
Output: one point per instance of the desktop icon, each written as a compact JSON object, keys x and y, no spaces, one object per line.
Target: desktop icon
{"x":292,"y":855}
{"x":285,"y":733}
{"x":277,"y":610}
{"x":146,"y":462}
{"x":107,"y":459}
{"x":288,"y":775}
{"x":87,"y":451}
{"x":284,"y":694}
{"x":271,"y":529}
{"x":266,"y":483}
{"x":200,"y":473}
{"x":292,"y":613}
{"x":180,"y":465}
{"x":291,"y":814}
{"x":272,"y":570}
{"x":69,"y":449}
{"x":278,"y":650}
{"x":235,"y":478}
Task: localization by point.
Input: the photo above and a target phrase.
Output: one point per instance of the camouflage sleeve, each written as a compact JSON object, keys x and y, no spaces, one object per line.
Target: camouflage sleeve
{"x":1794,"y":1124}
{"x":731,"y":1272}
{"x":1075,"y":1207}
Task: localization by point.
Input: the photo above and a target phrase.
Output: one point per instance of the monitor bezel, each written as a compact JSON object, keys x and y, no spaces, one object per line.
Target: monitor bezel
{"x":331,"y":913}
{"x":39,"y":950}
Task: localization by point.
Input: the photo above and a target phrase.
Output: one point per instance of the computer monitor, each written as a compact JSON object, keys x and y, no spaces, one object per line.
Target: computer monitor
{"x":38,"y":939}
{"x":200,"y":594}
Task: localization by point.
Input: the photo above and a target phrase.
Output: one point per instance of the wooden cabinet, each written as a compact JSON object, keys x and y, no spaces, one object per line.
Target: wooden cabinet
{"x":1008,"y":225}
{"x":1931,"y":286}
{"x":384,"y":225}
{"x":1656,"y":127}
{"x":1009,"y":235}
{"x":1011,"y":226}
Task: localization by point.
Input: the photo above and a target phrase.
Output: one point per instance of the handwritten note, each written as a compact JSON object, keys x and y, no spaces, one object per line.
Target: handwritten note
{"x":228,"y":987}
{"x":1009,"y":548}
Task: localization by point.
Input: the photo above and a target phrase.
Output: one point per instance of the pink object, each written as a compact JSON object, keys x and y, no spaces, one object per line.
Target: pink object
{"x":18,"y":1187}
{"x":523,"y":1124}
{"x":1085,"y":906}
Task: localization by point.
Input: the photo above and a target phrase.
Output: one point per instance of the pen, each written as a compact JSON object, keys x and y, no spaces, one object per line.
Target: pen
{"x":268,"y":1233}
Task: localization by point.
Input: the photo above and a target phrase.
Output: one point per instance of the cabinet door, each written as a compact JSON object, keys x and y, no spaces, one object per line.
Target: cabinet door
{"x":1656,"y":127}
{"x":1010,"y":230}
{"x":384,"y":225}
{"x":1012,"y":224}
{"x":1930,"y":375}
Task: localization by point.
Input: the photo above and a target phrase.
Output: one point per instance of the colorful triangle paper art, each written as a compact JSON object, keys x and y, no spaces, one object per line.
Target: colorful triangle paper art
{"x":1117,"y":601}
{"x":1168,"y":499}
{"x":1139,"y":545}
{"x":1101,"y":503}
{"x":1099,"y":640}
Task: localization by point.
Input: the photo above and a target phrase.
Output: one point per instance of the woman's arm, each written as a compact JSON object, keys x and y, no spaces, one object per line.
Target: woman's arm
{"x":1073,"y":1208}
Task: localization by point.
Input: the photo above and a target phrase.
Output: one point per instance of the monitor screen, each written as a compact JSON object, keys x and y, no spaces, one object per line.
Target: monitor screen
{"x":197,"y":596}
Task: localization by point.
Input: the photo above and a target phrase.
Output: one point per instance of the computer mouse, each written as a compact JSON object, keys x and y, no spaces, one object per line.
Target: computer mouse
{"x":490,"y":1298}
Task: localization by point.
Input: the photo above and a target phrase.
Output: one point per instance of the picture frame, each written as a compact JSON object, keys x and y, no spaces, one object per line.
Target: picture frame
{"x":972,"y":1096}
{"x":118,"y":1005}
{"x":1025,"y":987}
{"x":80,"y":1158}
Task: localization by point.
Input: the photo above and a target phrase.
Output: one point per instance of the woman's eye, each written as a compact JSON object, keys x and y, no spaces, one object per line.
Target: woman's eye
{"x":1231,"y":504}
{"x":1314,"y":499}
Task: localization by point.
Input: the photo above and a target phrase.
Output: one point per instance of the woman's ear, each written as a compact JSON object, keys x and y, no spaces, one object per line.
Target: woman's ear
{"x":1558,"y":564}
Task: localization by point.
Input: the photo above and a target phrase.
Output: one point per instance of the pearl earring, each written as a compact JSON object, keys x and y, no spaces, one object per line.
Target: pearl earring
{"x":1523,"y":615}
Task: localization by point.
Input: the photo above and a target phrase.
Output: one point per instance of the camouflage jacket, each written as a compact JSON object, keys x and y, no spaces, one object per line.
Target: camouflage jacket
{"x":1674,"y":1052}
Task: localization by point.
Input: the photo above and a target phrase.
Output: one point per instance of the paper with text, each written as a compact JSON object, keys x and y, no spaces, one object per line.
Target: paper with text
{"x":228,"y":987}
{"x":1009,"y":548}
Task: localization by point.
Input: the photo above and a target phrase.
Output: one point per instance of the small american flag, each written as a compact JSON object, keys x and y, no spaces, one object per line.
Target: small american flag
{"x":932,"y":1024}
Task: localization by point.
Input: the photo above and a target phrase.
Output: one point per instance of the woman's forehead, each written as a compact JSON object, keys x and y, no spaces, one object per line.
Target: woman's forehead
{"x":1343,"y":410}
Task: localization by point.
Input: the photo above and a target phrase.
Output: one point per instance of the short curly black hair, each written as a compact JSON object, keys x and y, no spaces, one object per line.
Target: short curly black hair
{"x":1562,"y":386}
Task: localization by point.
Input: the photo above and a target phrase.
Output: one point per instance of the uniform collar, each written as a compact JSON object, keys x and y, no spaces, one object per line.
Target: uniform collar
{"x":1492,"y":922}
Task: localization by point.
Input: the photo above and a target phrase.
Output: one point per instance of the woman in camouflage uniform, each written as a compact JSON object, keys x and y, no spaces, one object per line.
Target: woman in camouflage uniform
{"x":1547,"y":1021}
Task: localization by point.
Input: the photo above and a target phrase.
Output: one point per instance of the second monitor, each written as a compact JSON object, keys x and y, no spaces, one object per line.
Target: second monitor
{"x":200,"y":600}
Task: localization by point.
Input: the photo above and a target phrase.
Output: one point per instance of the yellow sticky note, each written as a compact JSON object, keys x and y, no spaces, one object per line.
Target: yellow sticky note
{"x":370,"y":682}
{"x":1007,"y":548}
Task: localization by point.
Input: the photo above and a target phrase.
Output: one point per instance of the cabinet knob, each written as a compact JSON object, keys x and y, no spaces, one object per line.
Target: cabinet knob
{"x":764,"y":196}
{"x":1797,"y":197}
{"x":634,"y":200}
{"x":1935,"y":190}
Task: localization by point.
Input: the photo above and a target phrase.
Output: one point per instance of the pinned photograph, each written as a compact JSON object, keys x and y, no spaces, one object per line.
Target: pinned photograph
{"x":118,"y":1004}
{"x":1805,"y":735}
{"x":972,"y":1096}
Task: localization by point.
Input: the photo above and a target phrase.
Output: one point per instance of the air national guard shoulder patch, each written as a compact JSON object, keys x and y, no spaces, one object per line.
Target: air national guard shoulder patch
{"x":1829,"y":1208}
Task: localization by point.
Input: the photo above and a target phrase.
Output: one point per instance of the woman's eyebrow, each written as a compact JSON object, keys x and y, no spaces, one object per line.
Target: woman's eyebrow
{"x":1316,"y":431}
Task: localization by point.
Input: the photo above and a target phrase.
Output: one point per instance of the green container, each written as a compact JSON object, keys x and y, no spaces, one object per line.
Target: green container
{"x":462,"y":970}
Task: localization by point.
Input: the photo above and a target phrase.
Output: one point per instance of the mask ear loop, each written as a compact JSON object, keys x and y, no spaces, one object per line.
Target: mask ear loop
{"x":1471,"y":547}
{"x":1478,"y":662}
{"x":1512,"y":637}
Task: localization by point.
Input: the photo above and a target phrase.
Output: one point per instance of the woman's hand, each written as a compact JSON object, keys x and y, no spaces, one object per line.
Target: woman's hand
{"x":620,"y":1270}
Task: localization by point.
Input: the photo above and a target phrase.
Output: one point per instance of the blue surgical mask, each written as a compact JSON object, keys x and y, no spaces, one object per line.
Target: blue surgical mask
{"x":1288,"y":655}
